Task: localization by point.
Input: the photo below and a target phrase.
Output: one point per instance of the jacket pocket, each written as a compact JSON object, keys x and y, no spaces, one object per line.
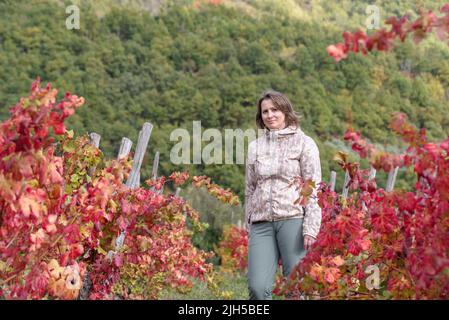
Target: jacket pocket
{"x":290,"y":166}
{"x":266,"y":166}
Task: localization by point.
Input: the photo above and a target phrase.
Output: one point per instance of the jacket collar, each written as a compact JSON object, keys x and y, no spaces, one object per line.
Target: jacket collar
{"x":282,"y":132}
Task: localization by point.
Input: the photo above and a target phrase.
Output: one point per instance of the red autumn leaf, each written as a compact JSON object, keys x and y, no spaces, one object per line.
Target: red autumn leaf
{"x":179,"y":177}
{"x":29,"y":205}
{"x":338,"y":52}
{"x":331,"y":275}
{"x":382,"y":39}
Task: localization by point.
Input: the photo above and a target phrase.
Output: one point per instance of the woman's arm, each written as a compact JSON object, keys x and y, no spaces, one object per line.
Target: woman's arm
{"x":311,"y":169}
{"x":250,"y":186}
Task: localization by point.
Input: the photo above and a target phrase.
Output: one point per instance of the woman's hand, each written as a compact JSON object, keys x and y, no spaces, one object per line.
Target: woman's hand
{"x":308,"y":241}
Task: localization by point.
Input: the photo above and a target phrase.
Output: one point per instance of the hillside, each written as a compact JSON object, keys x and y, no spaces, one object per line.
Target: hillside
{"x":171,"y":63}
{"x":338,"y":13}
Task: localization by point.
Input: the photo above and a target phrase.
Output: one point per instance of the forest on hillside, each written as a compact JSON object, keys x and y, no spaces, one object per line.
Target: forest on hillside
{"x":211,"y":62}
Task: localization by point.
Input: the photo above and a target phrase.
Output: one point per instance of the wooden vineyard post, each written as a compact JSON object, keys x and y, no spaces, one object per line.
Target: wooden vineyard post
{"x":391,"y":179}
{"x":144,"y":137}
{"x":333,"y":179}
{"x":95,"y":141}
{"x":346,"y":185}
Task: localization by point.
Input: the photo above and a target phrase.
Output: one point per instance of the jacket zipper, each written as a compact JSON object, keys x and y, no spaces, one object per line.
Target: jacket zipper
{"x":271,"y":183}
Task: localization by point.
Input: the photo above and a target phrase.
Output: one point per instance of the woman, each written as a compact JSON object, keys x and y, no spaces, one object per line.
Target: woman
{"x":277,"y":227}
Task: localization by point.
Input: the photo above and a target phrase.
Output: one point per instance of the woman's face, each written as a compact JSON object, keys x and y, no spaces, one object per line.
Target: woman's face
{"x":272,"y":117}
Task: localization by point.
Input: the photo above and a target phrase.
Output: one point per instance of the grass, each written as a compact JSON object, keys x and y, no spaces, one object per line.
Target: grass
{"x":235,"y":283}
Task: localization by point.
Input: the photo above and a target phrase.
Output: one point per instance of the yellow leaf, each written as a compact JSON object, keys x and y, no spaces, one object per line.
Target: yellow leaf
{"x":101,"y":251}
{"x":341,"y":157}
{"x":338,"y":261}
{"x":3,"y":266}
{"x":70,"y":133}
{"x":33,"y":183}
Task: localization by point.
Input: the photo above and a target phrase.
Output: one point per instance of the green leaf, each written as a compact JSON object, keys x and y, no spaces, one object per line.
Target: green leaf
{"x":68,"y":189}
{"x":386,"y":294}
{"x":74,"y":178}
{"x":70,"y":133}
{"x":69,"y":147}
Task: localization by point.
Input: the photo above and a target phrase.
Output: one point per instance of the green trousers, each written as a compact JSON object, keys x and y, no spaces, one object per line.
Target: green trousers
{"x":269,"y":242}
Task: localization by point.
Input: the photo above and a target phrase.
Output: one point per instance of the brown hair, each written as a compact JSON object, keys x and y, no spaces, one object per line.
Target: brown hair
{"x":281,"y":102}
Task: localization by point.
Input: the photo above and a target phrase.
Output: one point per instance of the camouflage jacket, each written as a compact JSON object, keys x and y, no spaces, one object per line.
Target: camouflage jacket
{"x":273,"y":160}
